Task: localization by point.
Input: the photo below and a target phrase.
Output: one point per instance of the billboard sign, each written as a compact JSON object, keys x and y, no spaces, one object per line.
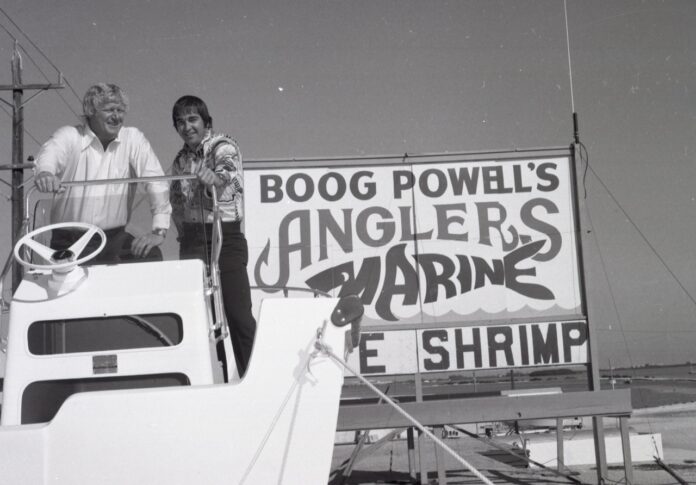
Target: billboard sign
{"x":471,"y":348}
{"x":430,"y":243}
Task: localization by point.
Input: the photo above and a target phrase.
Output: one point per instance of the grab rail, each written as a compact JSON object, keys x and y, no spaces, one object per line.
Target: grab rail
{"x":4,"y":306}
{"x":24,"y":228}
{"x":220,"y":317}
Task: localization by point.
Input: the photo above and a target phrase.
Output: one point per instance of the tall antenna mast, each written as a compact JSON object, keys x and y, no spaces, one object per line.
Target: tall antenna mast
{"x":593,"y":369}
{"x":18,"y":166}
{"x":576,"y":134}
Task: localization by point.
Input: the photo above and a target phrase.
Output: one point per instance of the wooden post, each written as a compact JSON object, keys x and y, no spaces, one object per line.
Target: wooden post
{"x":440,"y":457}
{"x":421,"y":469}
{"x":17,"y":156}
{"x":18,"y":166}
{"x":560,"y":458}
{"x":593,"y":366}
{"x":626,"y":445}
{"x":410,"y":443}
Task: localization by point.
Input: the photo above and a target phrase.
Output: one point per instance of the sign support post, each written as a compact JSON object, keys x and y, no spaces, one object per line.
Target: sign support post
{"x":593,"y":376}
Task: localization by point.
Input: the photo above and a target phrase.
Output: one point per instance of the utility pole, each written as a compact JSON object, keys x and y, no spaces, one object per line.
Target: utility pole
{"x":18,"y":166}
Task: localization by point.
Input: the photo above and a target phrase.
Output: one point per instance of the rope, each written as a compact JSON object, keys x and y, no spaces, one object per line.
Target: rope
{"x":281,"y":408}
{"x":320,"y":345}
{"x":270,"y":429}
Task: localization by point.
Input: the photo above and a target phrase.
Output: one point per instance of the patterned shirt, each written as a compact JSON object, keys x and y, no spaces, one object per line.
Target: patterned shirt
{"x":75,"y":153}
{"x":191,"y":201}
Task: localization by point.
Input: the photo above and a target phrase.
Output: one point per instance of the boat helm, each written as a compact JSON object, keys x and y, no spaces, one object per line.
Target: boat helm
{"x":64,"y":264}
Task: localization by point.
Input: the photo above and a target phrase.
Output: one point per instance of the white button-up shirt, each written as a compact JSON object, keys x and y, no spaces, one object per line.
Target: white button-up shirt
{"x":75,"y":153}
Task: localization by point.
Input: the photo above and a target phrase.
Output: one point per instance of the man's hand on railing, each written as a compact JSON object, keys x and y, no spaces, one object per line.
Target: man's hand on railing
{"x":47,"y":182}
{"x":209,"y":178}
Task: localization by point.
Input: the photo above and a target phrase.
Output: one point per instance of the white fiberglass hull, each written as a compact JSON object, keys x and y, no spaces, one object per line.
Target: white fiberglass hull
{"x":275,"y":426}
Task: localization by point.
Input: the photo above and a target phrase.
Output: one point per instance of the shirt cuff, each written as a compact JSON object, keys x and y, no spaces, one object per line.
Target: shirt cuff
{"x":160,"y":221}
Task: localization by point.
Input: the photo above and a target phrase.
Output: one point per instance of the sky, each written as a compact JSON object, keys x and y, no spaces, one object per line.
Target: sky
{"x":325,"y":78}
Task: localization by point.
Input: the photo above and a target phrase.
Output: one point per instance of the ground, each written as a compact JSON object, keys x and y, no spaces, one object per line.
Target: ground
{"x":389,"y":463}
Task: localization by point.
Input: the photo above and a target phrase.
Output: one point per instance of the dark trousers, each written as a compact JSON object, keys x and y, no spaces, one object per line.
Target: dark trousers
{"x":117,"y":248}
{"x":234,"y":281}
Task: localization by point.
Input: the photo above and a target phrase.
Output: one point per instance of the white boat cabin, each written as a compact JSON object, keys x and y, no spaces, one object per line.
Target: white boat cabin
{"x":112,"y":377}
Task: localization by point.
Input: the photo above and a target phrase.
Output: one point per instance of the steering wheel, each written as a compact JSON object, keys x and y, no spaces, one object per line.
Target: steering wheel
{"x":63,"y":259}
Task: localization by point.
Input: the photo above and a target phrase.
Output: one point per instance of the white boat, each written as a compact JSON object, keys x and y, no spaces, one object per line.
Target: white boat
{"x":141,"y":339}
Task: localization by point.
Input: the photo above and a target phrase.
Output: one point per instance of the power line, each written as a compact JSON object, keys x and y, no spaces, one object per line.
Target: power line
{"x":31,"y":58}
{"x":33,"y":44}
{"x":41,"y":71}
{"x":47,"y":79}
{"x":25,"y":130}
{"x":8,"y":32}
{"x":29,"y":39}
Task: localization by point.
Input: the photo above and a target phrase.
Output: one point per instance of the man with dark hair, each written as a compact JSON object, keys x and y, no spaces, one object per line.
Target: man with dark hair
{"x":102,"y":148}
{"x":216,"y":160}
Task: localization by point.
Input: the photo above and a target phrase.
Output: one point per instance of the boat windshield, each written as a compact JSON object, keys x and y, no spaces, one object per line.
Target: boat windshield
{"x":128,"y":212}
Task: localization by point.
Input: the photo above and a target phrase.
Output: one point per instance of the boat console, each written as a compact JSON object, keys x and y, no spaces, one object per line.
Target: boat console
{"x":112,"y":377}
{"x":101,"y":327}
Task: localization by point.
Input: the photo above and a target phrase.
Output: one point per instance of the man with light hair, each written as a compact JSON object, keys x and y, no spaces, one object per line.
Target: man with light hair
{"x":102,"y":148}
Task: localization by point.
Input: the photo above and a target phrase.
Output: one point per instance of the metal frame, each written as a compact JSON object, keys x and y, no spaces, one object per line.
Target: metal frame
{"x":437,"y":413}
{"x":607,"y":403}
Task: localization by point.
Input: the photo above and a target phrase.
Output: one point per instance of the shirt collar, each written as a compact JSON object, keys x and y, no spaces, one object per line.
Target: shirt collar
{"x":204,"y":141}
{"x":88,"y":136}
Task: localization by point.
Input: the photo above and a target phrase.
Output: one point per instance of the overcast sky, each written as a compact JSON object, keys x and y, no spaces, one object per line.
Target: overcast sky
{"x":363,"y":77}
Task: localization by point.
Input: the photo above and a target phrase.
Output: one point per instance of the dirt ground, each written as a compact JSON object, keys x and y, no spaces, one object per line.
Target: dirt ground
{"x":388,"y":463}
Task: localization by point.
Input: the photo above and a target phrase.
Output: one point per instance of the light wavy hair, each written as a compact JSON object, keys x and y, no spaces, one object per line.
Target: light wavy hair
{"x":100,"y":94}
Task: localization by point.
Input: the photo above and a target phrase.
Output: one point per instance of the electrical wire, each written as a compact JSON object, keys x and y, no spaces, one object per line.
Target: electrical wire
{"x":39,"y":50}
{"x":51,"y":63}
{"x":77,"y":115}
{"x":7,"y":31}
{"x":25,"y":130}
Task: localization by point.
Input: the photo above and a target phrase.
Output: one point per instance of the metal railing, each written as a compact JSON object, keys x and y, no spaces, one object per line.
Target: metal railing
{"x":216,"y":245}
{"x":214,"y":289}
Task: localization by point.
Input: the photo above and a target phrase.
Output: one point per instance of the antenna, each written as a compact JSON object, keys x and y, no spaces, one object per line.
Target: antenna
{"x":576,"y":136}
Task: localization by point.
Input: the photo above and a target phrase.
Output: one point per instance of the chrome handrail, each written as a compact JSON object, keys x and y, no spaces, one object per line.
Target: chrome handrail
{"x":4,"y":306}
{"x":216,"y":247}
{"x":84,"y":183}
{"x":215,"y":289}
{"x":24,"y":228}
